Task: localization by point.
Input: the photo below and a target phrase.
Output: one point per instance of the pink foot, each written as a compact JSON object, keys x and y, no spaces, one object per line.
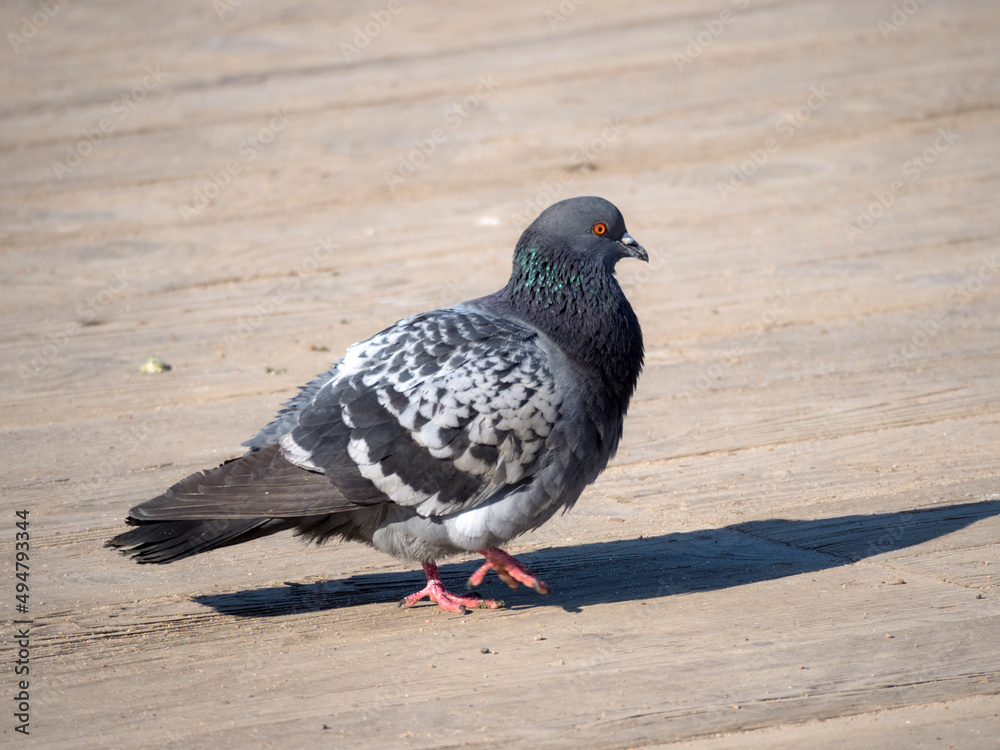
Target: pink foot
{"x":510,"y":570}
{"x":436,"y":592}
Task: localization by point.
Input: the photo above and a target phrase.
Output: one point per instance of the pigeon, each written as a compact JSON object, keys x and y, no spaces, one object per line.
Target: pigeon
{"x":449,"y":432}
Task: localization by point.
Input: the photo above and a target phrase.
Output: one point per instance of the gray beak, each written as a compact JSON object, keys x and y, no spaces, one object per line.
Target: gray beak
{"x":633,"y":249}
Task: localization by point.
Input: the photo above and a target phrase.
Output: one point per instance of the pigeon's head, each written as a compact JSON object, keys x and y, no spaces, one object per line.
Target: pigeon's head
{"x":563,"y":283}
{"x":590,"y":227}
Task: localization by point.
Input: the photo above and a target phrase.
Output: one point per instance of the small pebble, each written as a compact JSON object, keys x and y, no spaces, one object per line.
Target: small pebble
{"x":155,"y":364}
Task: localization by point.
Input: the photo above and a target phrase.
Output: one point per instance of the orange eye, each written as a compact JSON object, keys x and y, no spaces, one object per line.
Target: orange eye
{"x":599,"y":228}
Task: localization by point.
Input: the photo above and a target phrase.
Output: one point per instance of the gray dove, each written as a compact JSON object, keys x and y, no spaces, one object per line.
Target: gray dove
{"x":449,"y":432}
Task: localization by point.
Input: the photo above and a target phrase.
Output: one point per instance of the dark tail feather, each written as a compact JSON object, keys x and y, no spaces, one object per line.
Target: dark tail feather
{"x":258,"y":494}
{"x":258,"y":485}
{"x":166,"y":541}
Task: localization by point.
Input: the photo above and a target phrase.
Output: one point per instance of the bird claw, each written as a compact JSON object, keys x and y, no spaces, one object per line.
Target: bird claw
{"x":510,"y":570}
{"x":458,"y":603}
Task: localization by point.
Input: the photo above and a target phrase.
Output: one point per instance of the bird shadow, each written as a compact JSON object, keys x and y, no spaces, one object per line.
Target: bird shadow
{"x":644,"y":568}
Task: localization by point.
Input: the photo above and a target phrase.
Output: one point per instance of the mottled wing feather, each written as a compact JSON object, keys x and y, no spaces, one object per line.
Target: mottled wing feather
{"x":441,"y":412}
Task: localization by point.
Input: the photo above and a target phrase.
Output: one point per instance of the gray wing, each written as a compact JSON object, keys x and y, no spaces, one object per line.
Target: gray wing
{"x":440,"y":412}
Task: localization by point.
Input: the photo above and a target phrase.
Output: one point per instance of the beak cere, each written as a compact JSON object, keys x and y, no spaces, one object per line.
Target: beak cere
{"x":633,"y":249}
